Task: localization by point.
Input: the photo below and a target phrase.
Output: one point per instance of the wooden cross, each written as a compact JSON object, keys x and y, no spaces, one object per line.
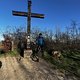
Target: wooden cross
{"x":28,"y":15}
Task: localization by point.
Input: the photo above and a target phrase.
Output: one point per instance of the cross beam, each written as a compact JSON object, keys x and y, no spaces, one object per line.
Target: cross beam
{"x":28,"y":15}
{"x":25,"y":14}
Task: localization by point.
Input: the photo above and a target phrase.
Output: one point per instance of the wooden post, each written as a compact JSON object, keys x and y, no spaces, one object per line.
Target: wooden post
{"x":29,"y":24}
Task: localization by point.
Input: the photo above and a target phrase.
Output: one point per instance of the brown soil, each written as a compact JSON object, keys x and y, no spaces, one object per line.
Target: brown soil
{"x":26,"y":69}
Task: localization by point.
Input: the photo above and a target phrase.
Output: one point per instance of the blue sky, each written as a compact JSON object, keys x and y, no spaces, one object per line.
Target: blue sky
{"x":57,"y":13}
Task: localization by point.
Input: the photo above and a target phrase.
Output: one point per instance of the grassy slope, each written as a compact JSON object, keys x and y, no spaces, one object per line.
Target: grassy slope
{"x":69,"y":64}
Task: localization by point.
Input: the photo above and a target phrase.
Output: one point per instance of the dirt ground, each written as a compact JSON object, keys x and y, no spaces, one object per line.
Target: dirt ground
{"x":27,"y":69}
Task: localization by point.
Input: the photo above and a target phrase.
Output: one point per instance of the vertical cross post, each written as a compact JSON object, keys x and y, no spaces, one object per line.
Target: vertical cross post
{"x":29,"y":24}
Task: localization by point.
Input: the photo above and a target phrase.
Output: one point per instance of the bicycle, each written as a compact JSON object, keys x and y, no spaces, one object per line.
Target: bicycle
{"x":36,"y":54}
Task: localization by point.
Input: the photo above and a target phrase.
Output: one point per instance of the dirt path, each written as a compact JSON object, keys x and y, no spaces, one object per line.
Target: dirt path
{"x":28,"y":70}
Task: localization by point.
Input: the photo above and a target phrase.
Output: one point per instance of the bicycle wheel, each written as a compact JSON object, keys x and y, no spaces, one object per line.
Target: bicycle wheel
{"x":34,"y":58}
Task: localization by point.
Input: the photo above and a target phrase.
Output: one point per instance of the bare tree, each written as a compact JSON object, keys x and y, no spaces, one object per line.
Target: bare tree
{"x":57,"y":34}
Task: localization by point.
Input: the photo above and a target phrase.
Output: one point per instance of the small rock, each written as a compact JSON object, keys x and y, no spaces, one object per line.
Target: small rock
{"x":0,"y":64}
{"x":60,"y":78}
